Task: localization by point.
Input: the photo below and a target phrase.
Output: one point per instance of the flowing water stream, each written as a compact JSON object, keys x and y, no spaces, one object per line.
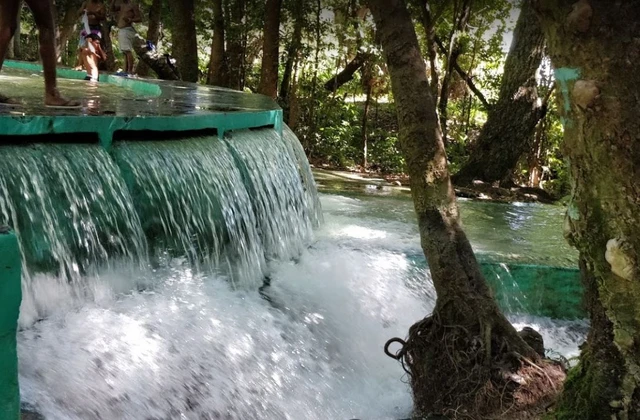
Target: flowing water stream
{"x":142,"y":296}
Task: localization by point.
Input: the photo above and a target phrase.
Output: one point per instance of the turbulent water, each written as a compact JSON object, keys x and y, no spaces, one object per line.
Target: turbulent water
{"x":185,"y":333}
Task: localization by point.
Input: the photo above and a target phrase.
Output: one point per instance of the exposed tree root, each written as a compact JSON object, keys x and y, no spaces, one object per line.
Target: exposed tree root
{"x":472,"y":370}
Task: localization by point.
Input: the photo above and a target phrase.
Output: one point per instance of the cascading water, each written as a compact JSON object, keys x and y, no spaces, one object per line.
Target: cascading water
{"x":172,"y":337}
{"x":73,"y":215}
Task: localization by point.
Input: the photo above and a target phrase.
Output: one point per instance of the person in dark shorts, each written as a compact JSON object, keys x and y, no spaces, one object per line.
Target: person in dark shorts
{"x":43,"y":15}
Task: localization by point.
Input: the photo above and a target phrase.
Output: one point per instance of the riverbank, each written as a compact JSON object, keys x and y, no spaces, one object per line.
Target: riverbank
{"x":396,"y":184}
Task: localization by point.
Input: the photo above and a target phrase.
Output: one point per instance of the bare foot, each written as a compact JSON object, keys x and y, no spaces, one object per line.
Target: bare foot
{"x":57,"y":101}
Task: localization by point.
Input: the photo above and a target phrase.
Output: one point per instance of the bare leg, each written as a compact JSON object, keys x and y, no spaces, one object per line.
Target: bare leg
{"x":8,"y":23}
{"x":128,"y":55}
{"x":90,"y":63}
{"x":43,"y":15}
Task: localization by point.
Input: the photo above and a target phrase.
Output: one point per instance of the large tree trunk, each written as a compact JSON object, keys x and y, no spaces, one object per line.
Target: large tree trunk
{"x":185,"y":44}
{"x":270,"y":55}
{"x":218,"y":70}
{"x":594,"y":49}
{"x":507,"y":134}
{"x":457,"y":356}
{"x":236,"y":33}
{"x":153,"y":33}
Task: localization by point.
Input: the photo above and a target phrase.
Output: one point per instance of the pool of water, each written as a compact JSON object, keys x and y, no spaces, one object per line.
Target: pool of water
{"x":29,"y":87}
{"x":187,"y":345}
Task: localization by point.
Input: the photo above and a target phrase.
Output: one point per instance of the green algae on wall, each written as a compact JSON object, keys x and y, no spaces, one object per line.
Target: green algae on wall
{"x":10,"y":297}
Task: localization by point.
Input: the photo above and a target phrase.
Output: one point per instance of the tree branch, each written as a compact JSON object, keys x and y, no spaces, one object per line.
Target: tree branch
{"x":465,"y":76}
{"x":346,"y":75}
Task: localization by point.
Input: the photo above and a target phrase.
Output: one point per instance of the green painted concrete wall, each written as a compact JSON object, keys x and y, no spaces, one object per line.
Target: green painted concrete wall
{"x":553,"y":292}
{"x":10,"y":297}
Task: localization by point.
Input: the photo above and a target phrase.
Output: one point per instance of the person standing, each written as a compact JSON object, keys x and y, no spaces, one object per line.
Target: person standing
{"x":43,"y":15}
{"x":127,"y":13}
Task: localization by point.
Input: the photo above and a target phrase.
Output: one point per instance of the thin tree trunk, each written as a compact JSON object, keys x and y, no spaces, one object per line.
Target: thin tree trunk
{"x":17,"y":44}
{"x":430,"y":32}
{"x":292,"y":52}
{"x":185,"y":45}
{"x":218,"y":70}
{"x":451,"y":354}
{"x":270,"y":55}
{"x":591,"y":47}
{"x":365,"y":120}
{"x":314,"y":80}
{"x":110,"y":63}
{"x":507,"y":134}
{"x":235,"y":37}
{"x":153,"y":34}
{"x":454,"y":52}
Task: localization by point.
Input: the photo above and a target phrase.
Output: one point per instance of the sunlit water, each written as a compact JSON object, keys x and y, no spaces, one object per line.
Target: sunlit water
{"x":188,"y":346}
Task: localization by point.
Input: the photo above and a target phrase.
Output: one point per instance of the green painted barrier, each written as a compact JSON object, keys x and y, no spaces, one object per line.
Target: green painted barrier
{"x":159,"y":106}
{"x":10,"y":297}
{"x":554,"y":292}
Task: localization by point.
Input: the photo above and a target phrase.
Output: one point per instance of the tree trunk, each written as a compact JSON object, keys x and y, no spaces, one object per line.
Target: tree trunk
{"x":507,"y":134}
{"x":110,"y":63}
{"x":153,"y":33}
{"x":185,"y":45}
{"x":292,"y":52}
{"x":235,"y":35}
{"x":594,"y":49}
{"x":218,"y":70}
{"x":66,"y":29}
{"x":17,"y":41}
{"x":368,"y":83}
{"x":270,"y":55}
{"x":430,"y":32}
{"x":453,"y":53}
{"x":453,"y":356}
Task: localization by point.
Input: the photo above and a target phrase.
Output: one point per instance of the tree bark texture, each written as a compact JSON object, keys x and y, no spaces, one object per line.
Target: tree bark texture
{"x":595,"y":51}
{"x":509,"y":130}
{"x":270,"y":55}
{"x":465,"y":310}
{"x":218,"y":69}
{"x":153,"y":33}
{"x":185,"y":45}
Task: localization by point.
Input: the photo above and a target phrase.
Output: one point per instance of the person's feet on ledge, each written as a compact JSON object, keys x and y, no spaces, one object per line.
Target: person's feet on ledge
{"x":55,"y":100}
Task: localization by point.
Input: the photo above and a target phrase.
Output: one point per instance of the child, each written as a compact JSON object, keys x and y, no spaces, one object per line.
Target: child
{"x":91,"y":54}
{"x":43,"y":15}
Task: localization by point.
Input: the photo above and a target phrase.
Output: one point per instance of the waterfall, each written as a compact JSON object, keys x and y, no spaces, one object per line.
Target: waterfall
{"x":226,"y":207}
